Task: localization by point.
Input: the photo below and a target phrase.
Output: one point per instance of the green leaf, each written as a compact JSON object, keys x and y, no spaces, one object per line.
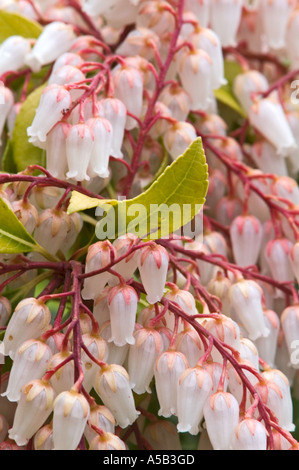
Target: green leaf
{"x":12,"y":24}
{"x":25,"y":153}
{"x":13,"y":236}
{"x":171,"y":202}
{"x":8,"y":163}
{"x":225,"y":95}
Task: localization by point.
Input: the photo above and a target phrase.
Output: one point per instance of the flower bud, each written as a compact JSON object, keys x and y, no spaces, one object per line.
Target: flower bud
{"x":277,"y":256}
{"x":116,"y":354}
{"x":275,"y":16}
{"x":12,"y":53}
{"x":178,"y":137}
{"x":194,"y":387}
{"x":6,"y":101}
{"x":188,"y":342}
{"x":267,"y":159}
{"x":128,"y":265}
{"x":186,"y":302}
{"x":79,"y":145}
{"x":67,"y":58}
{"x":169,"y":367}
{"x":101,"y":417}
{"x":102,"y":135}
{"x":70,"y":415}
{"x":107,"y":441}
{"x":52,"y":229}
{"x":98,"y":348}
{"x":30,"y":319}
{"x":55,"y":39}
{"x":267,"y":346}
{"x":153,"y":266}
{"x":225,"y":20}
{"x":290,"y":325}
{"x":250,"y":434}
{"x":247,"y":84}
{"x":177,"y":100}
{"x":115,"y":111}
{"x":246,"y":234}
{"x":30,"y":362}
{"x":113,"y":387}
{"x":43,"y":439}
{"x":26,"y":213}
{"x":221,"y":414}
{"x":56,"y":150}
{"x":54,"y":100}
{"x":122,"y":302}
{"x":63,"y":377}
{"x":34,"y":407}
{"x":226,"y":330}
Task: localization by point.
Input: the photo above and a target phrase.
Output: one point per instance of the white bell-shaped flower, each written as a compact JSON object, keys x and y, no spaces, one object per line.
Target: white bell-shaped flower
{"x":178,"y":137}
{"x":127,"y":266}
{"x":67,"y":58}
{"x":26,"y":213}
{"x":225,"y":20}
{"x":55,"y":39}
{"x":188,"y":342}
{"x":70,"y":415}
{"x":201,"y":9}
{"x":56,"y":150}
{"x":267,"y":159}
{"x":169,"y":367}
{"x":290,"y":325}
{"x":101,"y":417}
{"x":194,"y":387}
{"x":292,"y":42}
{"x":294,"y":260}
{"x":98,"y":348}
{"x":95,"y":8}
{"x":185,"y":300}
{"x":247,"y":84}
{"x":122,"y":302}
{"x":6,"y":103}
{"x":267,"y":116}
{"x":195,"y":70}
{"x":153,"y":267}
{"x":277,"y":256}
{"x":33,"y":409}
{"x":102,"y":135}
{"x":113,"y":386}
{"x":177,"y":101}
{"x":63,"y":377}
{"x":12,"y":53}
{"x":226,"y":330}
{"x":54,"y":100}
{"x":221,"y":414}
{"x":68,"y":75}
{"x":43,"y":439}
{"x":52,"y":229}
{"x":30,"y":362}
{"x":142,"y":358}
{"x":275,"y":16}
{"x":250,"y":434}
{"x":107,"y":441}
{"x":79,"y":145}
{"x":246,"y":299}
{"x":30,"y":319}
{"x":267,"y":346}
{"x":115,"y":111}
{"x":246,"y":232}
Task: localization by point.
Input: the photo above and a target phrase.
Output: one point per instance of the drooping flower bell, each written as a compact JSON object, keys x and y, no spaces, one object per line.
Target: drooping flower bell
{"x":101,"y":417}
{"x":98,"y":348}
{"x":277,"y":256}
{"x":290,"y":326}
{"x":153,"y":267}
{"x":79,"y":145}
{"x":275,"y":16}
{"x":102,"y":136}
{"x":107,"y":441}
{"x":225,"y":20}
{"x":115,"y":111}
{"x":250,"y":434}
{"x":52,"y":229}
{"x":6,"y":103}
{"x":249,"y":84}
{"x":12,"y":53}
{"x":128,"y":265}
{"x":62,"y":378}
{"x":178,"y":137}
{"x":246,"y":234}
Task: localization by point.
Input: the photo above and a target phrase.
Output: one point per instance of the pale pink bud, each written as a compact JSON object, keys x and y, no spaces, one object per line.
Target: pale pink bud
{"x":267,"y":346}
{"x":113,"y":387}
{"x":155,"y":16}
{"x":178,"y":138}
{"x":162,"y":435}
{"x":116,"y":354}
{"x":68,"y":75}
{"x":139,"y":41}
{"x":70,"y":415}
{"x":268,"y":118}
{"x":30,"y":319}
{"x":63,"y":377}
{"x":43,"y":439}
{"x":247,"y":84}
{"x":142,"y":358}
{"x":54,"y":100}
{"x":188,"y":342}
{"x":177,"y":100}
{"x":79,"y":145}
{"x":34,"y":407}
{"x":55,"y":39}
{"x":246,"y":299}
{"x":275,"y":16}
{"x":30,"y":362}
{"x":128,"y":265}
{"x":98,"y":256}
{"x":195,"y":70}
{"x":248,"y":352}
{"x":101,"y":417}
{"x":290,"y":325}
{"x":186,"y":302}
{"x":277,"y":257}
{"x":107,"y":441}
{"x":128,"y":83}
{"x":294,"y":260}
{"x":221,"y":414}
{"x":267,"y":159}
{"x":67,"y":58}
{"x":100,"y":307}
{"x":115,"y":111}
{"x":246,"y":234}
{"x":287,"y":188}
{"x":201,"y":9}
{"x":219,"y":286}
{"x":250,"y":434}
{"x":26,"y":213}
{"x":153,"y":267}
{"x":194,"y":388}
{"x":95,"y":8}
{"x":52,"y":229}
{"x":227,"y":209}
{"x":225,"y":20}
{"x":215,"y":369}
{"x":235,"y":383}
{"x":122,"y":302}
{"x":12,"y":53}
{"x":98,"y":348}
{"x":226,"y":330}
{"x":169,"y":367}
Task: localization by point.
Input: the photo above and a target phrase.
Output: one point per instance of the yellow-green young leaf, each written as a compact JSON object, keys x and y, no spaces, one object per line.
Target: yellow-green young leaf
{"x":25,"y":153}
{"x":171,"y":202}
{"x":14,"y":238}
{"x":226,"y":96}
{"x":12,"y":24}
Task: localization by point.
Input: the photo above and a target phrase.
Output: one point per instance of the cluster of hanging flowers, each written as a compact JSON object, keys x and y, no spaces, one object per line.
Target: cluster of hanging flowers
{"x":98,"y":333}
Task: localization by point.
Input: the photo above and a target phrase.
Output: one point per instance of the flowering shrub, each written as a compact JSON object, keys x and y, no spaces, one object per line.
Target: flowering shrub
{"x":149,"y":224}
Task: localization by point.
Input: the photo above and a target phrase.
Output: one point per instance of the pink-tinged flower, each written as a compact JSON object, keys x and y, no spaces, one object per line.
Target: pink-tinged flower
{"x":194,"y":387}
{"x":142,"y":358}
{"x":267,"y":347}
{"x":95,"y":8}
{"x":54,"y":100}
{"x":30,"y":319}
{"x":290,"y":326}
{"x":188,"y":342}
{"x":70,"y":415}
{"x":127,"y":266}
{"x":156,"y":17}
{"x":98,"y":256}
{"x":67,"y":58}
{"x":250,"y":434}
{"x":55,"y":39}
{"x":226,"y":330}
{"x":292,"y":42}
{"x":286,"y":188}
{"x":139,"y":41}
{"x":225,"y":20}
{"x":56,"y":150}
{"x":201,"y":10}
{"x":63,"y":377}
{"x":102,"y":136}
{"x":221,"y":414}
{"x":52,"y":229}
{"x":227,"y":209}
{"x":101,"y":417}
{"x":68,"y":75}
{"x":79,"y":145}
{"x":246,"y":234}
{"x":246,"y":299}
{"x":107,"y":441}
{"x":267,"y":116}
{"x":43,"y":439}
{"x":275,"y":16}
{"x":153,"y":267}
{"x":115,"y":111}
{"x":195,"y":69}
{"x":249,"y":84}
{"x":122,"y":302}
{"x":26,"y":213}
{"x":34,"y":408}
{"x":100,"y":307}
{"x":128,"y":88}
{"x":30,"y":362}
{"x":98,"y":348}
{"x":12,"y":53}
{"x":185,"y":301}
{"x":277,"y":257}
{"x":177,"y":100}
{"x":169,"y":367}
{"x":294,"y":260}
{"x":219,"y":286}
{"x":267,"y":159}
{"x":113,"y":387}
{"x":178,"y":137}
{"x":6,"y":103}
